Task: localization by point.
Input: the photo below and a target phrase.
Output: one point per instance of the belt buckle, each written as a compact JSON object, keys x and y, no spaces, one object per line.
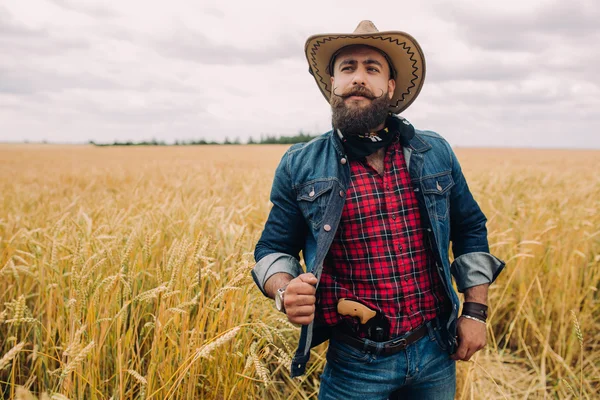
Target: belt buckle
{"x":401,"y":342}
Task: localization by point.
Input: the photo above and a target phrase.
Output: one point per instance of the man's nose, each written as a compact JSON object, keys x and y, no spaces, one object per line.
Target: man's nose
{"x":359,"y":77}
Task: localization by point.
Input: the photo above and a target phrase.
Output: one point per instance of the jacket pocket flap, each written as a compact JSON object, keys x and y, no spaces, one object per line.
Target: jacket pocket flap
{"x":312,"y":190}
{"x":438,"y":184}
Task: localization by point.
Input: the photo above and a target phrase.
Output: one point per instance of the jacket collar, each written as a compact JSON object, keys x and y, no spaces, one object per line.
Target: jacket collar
{"x":337,"y":142}
{"x":417,"y":144}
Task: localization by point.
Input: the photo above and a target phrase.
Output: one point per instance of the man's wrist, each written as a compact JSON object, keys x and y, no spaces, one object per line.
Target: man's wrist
{"x":473,"y":318}
{"x":277,"y":281}
{"x":477,"y":294}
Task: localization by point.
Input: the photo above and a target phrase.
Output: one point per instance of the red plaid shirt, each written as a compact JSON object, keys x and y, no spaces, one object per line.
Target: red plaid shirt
{"x":379,"y":254}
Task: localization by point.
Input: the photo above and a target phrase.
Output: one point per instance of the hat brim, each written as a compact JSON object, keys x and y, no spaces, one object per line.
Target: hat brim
{"x":401,"y":48}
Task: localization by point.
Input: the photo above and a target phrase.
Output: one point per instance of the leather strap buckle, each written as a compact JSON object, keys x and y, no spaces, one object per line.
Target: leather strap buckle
{"x":399,"y":342}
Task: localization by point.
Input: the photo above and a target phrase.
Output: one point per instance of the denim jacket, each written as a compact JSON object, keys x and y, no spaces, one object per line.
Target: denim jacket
{"x":308,"y":196}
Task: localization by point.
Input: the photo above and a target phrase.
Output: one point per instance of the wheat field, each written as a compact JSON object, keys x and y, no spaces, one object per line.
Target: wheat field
{"x":125,"y":274}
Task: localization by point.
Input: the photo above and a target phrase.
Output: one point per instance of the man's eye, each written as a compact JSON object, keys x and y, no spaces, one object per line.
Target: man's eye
{"x":345,"y":68}
{"x":373,"y":69}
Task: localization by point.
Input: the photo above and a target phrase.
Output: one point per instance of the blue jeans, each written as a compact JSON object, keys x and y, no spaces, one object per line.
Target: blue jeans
{"x":424,"y":370}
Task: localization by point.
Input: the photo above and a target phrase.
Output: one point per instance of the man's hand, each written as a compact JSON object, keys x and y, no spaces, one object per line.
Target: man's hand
{"x":299,"y":299}
{"x":472,"y":335}
{"x":471,"y":338}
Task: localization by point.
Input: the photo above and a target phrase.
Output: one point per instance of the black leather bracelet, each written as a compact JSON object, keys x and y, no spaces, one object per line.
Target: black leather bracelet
{"x":476,"y":310}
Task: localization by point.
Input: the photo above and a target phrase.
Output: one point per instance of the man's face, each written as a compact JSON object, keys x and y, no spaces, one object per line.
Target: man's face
{"x":361,"y":90}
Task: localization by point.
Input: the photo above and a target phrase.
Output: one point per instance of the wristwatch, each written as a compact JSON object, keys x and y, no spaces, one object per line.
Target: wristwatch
{"x":279,"y":305}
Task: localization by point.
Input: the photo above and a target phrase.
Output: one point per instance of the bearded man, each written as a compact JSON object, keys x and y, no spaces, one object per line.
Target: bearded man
{"x":373,"y":205}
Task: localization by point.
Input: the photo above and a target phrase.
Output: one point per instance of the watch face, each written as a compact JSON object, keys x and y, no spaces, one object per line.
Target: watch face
{"x":278,"y":302}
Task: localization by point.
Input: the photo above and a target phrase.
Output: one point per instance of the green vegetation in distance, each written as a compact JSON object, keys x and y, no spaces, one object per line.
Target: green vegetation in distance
{"x":301,"y":137}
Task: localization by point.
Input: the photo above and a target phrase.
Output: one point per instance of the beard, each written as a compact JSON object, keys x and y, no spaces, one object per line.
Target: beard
{"x":356,"y":119}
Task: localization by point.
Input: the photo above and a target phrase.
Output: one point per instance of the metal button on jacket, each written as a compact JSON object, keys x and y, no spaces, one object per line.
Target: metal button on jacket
{"x":343,"y":161}
{"x":327,"y":227}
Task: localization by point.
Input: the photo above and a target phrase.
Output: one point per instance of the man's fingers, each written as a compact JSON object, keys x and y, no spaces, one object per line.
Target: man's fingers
{"x":308,"y":278}
{"x":474,"y":349}
{"x":300,"y":299}
{"x":301,"y":320}
{"x":461,"y":352}
{"x":469,"y":354}
{"x":465,"y":351}
{"x":292,"y":301}
{"x":304,"y":310}
{"x":301,"y":315}
{"x":303,"y":300}
{"x":301,"y":311}
{"x":300,"y":288}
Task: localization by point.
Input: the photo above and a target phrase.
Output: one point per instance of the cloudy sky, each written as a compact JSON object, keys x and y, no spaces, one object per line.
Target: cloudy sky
{"x":511,"y":73}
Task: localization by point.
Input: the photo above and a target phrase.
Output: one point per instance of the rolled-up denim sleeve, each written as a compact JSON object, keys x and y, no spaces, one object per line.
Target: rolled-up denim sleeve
{"x":473,"y":264}
{"x":282,"y":239}
{"x":273,"y":264}
{"x":473,"y":269}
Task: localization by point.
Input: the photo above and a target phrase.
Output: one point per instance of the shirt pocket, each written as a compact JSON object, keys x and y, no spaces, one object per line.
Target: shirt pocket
{"x":436,"y":189}
{"x":312,"y":198}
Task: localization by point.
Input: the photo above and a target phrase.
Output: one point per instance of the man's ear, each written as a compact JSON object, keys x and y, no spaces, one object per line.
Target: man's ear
{"x":391,"y":88}
{"x":332,"y":79}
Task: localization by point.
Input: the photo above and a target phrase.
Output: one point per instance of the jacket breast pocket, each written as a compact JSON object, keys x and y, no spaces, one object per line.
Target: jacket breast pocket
{"x":436,"y":190}
{"x":313,"y":198}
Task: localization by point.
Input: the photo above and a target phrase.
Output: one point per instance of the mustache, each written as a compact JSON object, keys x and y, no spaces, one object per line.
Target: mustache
{"x":358,"y":91}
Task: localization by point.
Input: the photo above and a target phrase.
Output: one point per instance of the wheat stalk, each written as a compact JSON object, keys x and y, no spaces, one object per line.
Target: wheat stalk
{"x":206,"y":350}
{"x":77,"y":360}
{"x":10,"y":355}
{"x":580,"y":339}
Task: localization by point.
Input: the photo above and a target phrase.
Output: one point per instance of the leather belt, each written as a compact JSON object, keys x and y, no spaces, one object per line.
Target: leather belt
{"x":389,"y":348}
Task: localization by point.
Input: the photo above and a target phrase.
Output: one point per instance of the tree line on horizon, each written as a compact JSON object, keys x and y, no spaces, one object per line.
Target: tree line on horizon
{"x":301,"y":137}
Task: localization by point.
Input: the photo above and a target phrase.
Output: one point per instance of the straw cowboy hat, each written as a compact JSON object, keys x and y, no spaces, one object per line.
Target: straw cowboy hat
{"x":401,"y":50}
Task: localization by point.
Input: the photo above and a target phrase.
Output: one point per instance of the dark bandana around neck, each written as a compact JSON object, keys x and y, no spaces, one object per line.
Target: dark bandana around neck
{"x":359,"y":146}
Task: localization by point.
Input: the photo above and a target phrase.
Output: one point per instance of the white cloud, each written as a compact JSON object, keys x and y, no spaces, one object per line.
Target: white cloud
{"x":516,"y":73}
